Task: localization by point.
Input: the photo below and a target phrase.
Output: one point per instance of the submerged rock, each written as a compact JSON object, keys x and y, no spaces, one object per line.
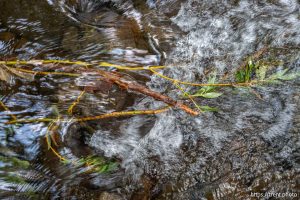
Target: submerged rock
{"x":109,"y":196}
{"x":108,"y":29}
{"x":7,"y":36}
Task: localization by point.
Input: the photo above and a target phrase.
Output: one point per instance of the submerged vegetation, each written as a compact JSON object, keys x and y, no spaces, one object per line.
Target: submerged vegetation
{"x":98,"y":164}
{"x":253,"y":74}
{"x":260,"y":73}
{"x":7,"y":163}
{"x":208,"y":91}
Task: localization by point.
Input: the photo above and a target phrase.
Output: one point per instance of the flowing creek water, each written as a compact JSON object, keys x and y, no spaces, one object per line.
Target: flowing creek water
{"x":252,"y":144}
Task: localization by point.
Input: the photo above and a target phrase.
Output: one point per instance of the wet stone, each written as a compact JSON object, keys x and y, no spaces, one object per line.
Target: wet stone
{"x":102,"y":31}
{"x":109,"y":196}
{"x":7,"y":36}
{"x":20,"y":43}
{"x":70,"y":39}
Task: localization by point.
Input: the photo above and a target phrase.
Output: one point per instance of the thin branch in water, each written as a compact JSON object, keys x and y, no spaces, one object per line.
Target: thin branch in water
{"x":105,"y":64}
{"x":134,"y":86}
{"x":103,"y":116}
{"x":202,"y":84}
{"x":57,"y":154}
{"x":70,"y":110}
{"x":115,"y":78}
{"x":24,"y":121}
{"x":45,"y":73}
{"x":7,"y":109}
{"x":188,"y":95}
{"x":122,"y":114}
{"x":80,"y":63}
{"x":54,"y":125}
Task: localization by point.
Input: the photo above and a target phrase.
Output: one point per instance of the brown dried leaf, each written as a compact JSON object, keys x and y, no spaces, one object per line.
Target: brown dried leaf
{"x":20,"y":74}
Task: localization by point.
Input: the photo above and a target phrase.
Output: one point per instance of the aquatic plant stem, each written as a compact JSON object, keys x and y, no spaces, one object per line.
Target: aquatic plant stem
{"x":150,"y":68}
{"x":101,"y":64}
{"x":92,"y":118}
{"x":45,"y":73}
{"x":134,"y":86}
{"x":188,"y":95}
{"x":49,"y":136}
{"x":7,"y":109}
{"x":204,"y":84}
{"x":123,"y":113}
{"x":117,"y":79}
{"x":70,"y":109}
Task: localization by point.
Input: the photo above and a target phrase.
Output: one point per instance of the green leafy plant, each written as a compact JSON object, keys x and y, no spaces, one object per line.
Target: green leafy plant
{"x":252,"y":74}
{"x":244,"y":75}
{"x":208,"y":91}
{"x":260,"y":73}
{"x":282,"y":75}
{"x":208,"y":109}
{"x":98,"y":164}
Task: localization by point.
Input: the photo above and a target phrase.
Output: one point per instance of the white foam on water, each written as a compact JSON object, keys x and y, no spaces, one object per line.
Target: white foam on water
{"x":283,"y":122}
{"x":122,"y":145}
{"x":224,"y":33}
{"x":219,"y":34}
{"x":160,"y":141}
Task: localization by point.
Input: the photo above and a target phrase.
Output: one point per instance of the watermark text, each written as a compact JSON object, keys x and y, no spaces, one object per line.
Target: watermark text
{"x":274,"y":194}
